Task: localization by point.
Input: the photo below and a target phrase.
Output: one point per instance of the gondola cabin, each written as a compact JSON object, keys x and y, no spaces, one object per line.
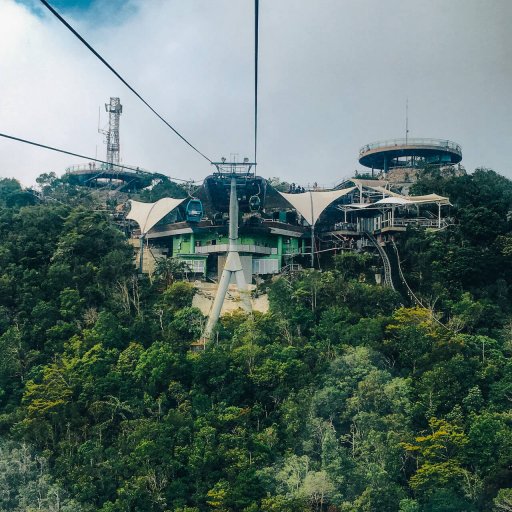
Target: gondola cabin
{"x":194,"y":210}
{"x":254,"y":203}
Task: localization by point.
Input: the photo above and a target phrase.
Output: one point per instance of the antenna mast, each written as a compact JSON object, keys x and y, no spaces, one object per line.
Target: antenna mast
{"x":406,"y":119}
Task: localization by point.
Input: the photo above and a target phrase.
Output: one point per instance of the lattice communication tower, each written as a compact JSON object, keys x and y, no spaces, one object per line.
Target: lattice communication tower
{"x":114,"y":109}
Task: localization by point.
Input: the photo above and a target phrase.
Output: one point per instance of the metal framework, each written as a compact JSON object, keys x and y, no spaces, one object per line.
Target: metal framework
{"x":230,"y":169}
{"x":114,"y":109}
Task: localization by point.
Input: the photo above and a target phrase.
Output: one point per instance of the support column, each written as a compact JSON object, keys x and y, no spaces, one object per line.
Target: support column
{"x":192,"y":243}
{"x":439,"y":215}
{"x":280,"y":251}
{"x":313,"y":246}
{"x":217,"y":303}
{"x":233,"y":266}
{"x":312,"y":231}
{"x":141,"y":253}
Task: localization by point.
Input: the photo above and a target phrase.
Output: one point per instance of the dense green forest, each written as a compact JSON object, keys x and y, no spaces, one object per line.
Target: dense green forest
{"x":345,"y":396}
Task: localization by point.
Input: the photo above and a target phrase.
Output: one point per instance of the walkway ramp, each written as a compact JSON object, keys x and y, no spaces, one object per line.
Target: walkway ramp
{"x":388,"y":279}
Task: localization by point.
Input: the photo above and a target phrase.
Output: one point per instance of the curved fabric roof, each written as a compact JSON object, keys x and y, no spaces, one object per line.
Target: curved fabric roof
{"x":399,"y":200}
{"x":429,"y":198}
{"x":394,"y":200}
{"x":387,"y":194}
{"x":370,"y":183}
{"x":311,"y":204}
{"x":148,"y":214}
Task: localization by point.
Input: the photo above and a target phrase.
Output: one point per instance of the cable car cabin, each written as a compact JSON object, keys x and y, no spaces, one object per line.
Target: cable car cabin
{"x":194,"y":210}
{"x":254,"y":203}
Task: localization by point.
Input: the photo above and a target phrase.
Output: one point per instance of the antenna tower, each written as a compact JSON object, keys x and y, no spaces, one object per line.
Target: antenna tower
{"x":114,"y":109}
{"x":406,"y":120}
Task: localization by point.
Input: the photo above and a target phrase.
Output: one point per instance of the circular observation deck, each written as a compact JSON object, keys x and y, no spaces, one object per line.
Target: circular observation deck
{"x":93,"y":175}
{"x":411,"y":152}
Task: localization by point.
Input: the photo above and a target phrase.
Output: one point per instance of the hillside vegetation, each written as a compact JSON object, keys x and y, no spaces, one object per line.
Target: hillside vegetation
{"x":345,"y":397}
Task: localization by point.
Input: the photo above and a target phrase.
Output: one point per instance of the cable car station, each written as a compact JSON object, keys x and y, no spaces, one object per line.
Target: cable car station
{"x":277,"y":229}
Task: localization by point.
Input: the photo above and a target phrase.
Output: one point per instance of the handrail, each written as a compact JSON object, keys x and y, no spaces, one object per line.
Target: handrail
{"x":402,"y":277}
{"x":291,"y":267}
{"x":409,"y":290}
{"x":388,"y":280}
{"x":433,"y":223}
{"x":397,"y":222}
{"x":345,"y":226}
{"x":252,"y":248}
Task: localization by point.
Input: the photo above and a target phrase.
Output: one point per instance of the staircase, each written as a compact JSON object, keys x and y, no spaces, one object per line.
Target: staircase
{"x":289,"y":272}
{"x":388,"y":280}
{"x":291,"y":269}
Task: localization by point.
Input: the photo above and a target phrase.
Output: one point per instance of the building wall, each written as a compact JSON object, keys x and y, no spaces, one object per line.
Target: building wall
{"x":246,"y":266}
{"x":149,"y":257}
{"x":186,"y":244}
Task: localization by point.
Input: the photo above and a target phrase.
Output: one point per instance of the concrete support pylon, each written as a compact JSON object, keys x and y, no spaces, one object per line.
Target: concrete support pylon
{"x":232,"y":267}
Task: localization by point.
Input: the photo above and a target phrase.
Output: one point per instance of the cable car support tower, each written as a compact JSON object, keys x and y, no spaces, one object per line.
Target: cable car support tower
{"x":233,"y":266}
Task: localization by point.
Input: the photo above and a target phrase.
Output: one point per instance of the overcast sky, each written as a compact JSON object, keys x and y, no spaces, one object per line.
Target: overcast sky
{"x":334,"y":75}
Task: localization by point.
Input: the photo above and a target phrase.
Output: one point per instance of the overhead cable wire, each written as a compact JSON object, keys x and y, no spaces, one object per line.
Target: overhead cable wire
{"x":256,"y":51}
{"x":117,"y":166}
{"x":74,"y":32}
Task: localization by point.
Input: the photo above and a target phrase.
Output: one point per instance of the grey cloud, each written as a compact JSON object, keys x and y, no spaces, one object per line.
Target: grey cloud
{"x":334,"y":75}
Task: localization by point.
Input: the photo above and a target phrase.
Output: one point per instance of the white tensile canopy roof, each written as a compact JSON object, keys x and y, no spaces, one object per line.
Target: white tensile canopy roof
{"x":429,"y":198}
{"x":146,"y":215}
{"x":398,"y":200}
{"x":388,"y":195}
{"x":311,"y":204}
{"x":394,"y":200}
{"x":369,"y":183}
{"x":385,"y":192}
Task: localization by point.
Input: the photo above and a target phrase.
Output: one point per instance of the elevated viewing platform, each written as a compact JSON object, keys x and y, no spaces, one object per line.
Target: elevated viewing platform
{"x":93,"y":175}
{"x":248,"y":248}
{"x":410,"y":152}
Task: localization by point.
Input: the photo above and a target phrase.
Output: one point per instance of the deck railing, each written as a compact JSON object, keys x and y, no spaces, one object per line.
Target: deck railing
{"x":396,"y":223}
{"x":251,"y":248}
{"x":427,"y":223}
{"x":345,"y":226}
